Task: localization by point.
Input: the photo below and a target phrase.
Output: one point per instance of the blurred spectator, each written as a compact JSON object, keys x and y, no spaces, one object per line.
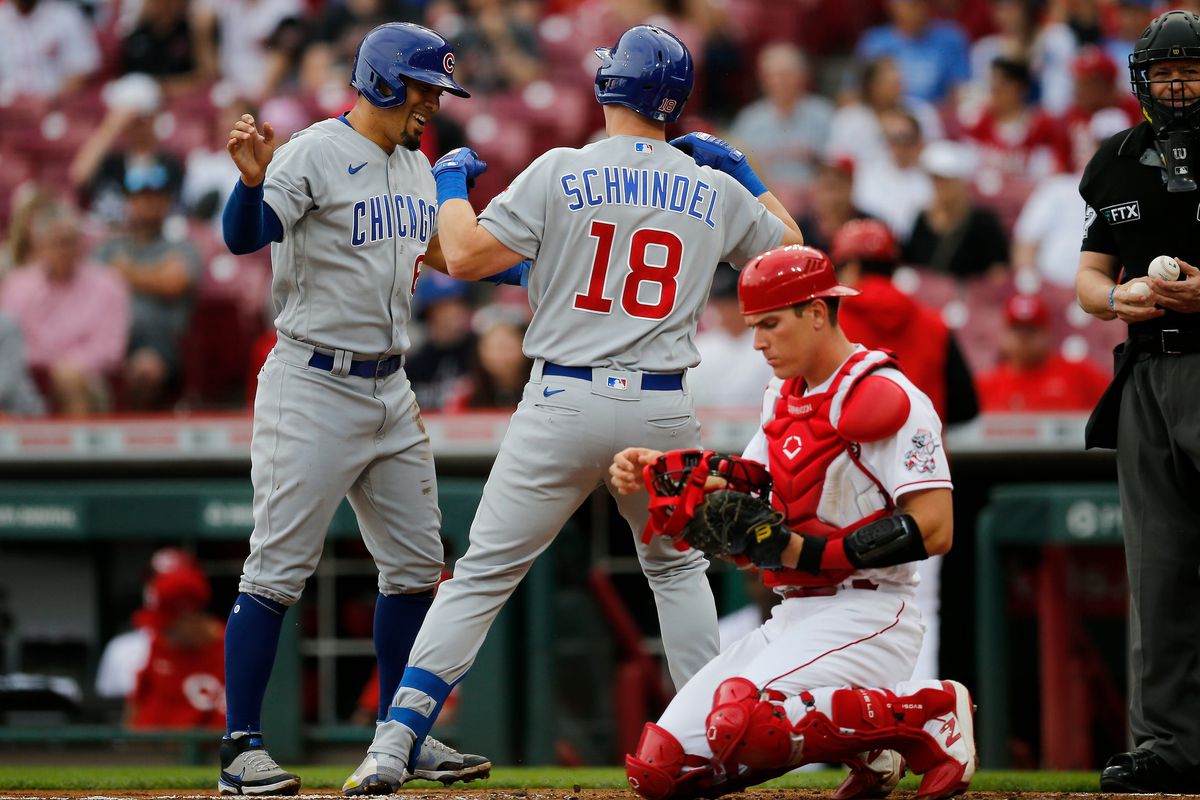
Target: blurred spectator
{"x":125,"y":139}
{"x":1031,"y":375}
{"x":28,"y":198}
{"x":785,"y":132}
{"x":895,"y":189}
{"x":1125,"y":25}
{"x":171,"y":668}
{"x":495,"y":48}
{"x":856,"y":131}
{"x":74,"y":315}
{"x":247,"y":44}
{"x":161,"y":273}
{"x":832,"y":203}
{"x":730,"y":374}
{"x":498,"y":369}
{"x":47,"y":49}
{"x":161,"y":44}
{"x":18,"y":394}
{"x":1048,"y":48}
{"x":209,"y":173}
{"x":881,"y":316}
{"x":1042,"y":243}
{"x":1096,"y":93}
{"x":1014,"y":138}
{"x":953,"y":234}
{"x":436,"y":366}
{"x":932,"y":53}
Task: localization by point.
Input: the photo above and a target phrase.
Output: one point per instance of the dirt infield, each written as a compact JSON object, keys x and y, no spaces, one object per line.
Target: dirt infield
{"x":533,"y":794}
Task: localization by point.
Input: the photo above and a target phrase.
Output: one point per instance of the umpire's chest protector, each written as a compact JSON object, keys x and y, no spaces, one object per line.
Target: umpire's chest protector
{"x":809,"y":460}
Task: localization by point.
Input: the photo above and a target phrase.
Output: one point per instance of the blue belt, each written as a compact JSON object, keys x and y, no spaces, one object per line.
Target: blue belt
{"x":653,"y":381}
{"x":361,"y":369}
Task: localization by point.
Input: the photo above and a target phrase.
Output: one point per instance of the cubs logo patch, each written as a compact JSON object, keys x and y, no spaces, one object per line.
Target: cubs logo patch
{"x":921,"y":457}
{"x":618,"y":383}
{"x":792,"y":446}
{"x":1121,"y":212}
{"x":448,"y":63}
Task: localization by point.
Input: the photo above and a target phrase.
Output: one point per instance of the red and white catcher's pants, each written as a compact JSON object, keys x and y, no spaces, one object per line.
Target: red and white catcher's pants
{"x":857,"y":637}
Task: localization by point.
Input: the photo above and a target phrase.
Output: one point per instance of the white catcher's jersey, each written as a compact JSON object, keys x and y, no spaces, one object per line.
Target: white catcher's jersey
{"x":356,"y":226}
{"x":625,"y":235}
{"x":911,"y":460}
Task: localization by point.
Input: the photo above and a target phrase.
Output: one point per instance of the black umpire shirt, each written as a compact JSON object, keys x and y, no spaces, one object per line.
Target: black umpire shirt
{"x":1131,"y":215}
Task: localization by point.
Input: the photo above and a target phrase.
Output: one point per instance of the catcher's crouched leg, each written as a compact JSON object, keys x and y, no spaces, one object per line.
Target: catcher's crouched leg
{"x":656,"y":770}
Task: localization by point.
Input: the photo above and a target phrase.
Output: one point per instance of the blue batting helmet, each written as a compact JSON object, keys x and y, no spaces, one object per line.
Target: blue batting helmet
{"x":400,"y":50}
{"x":648,"y":70}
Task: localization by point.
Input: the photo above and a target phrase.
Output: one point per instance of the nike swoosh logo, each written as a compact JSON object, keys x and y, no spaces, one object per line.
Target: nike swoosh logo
{"x":548,"y":391}
{"x":353,"y":169}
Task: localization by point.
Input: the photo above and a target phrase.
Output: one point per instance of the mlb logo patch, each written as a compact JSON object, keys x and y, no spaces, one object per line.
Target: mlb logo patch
{"x":617,"y":383}
{"x":643,"y":147}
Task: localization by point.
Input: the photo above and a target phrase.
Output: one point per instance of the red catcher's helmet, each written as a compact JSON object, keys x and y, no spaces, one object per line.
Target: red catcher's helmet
{"x":864,"y":240}
{"x":786,"y":276}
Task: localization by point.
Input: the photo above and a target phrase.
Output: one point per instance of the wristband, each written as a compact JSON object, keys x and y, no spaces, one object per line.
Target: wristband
{"x":451,"y":185}
{"x":746,"y":176}
{"x":1111,"y":305}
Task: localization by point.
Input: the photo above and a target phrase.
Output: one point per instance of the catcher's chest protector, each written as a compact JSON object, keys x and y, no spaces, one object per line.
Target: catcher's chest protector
{"x":802,"y":443}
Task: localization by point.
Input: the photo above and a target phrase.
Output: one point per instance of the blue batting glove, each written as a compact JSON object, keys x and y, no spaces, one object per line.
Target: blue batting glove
{"x":710,"y":151}
{"x":456,"y":171}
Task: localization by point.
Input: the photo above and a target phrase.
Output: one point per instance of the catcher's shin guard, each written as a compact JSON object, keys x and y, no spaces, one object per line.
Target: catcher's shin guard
{"x":656,"y":770}
{"x":750,"y":728}
{"x":932,"y":728}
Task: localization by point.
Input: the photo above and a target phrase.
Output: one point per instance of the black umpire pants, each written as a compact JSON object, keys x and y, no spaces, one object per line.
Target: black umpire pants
{"x":1158,"y":466}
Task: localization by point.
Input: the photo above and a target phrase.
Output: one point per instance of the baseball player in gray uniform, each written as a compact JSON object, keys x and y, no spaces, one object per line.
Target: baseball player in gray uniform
{"x":349,"y":204}
{"x":624,"y":235}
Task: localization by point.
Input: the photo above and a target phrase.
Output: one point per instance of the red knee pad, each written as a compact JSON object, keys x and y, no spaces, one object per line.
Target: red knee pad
{"x":746,"y":729}
{"x":655,"y":771}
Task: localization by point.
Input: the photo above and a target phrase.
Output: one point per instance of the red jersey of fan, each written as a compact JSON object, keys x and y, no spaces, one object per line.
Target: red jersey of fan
{"x":181,"y":688}
{"x":1054,"y":385}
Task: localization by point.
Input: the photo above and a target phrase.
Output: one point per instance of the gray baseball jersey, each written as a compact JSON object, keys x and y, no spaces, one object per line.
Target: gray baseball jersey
{"x":625,"y":235}
{"x":356,"y":225}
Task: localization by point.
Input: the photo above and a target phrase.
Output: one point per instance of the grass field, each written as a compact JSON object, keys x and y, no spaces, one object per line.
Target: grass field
{"x":326,"y":777}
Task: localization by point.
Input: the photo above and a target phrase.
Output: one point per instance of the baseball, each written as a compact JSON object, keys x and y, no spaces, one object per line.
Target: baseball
{"x":1163,"y":267}
{"x":1141,"y":289}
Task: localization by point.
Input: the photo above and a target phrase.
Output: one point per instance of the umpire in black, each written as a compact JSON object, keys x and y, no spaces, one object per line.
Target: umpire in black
{"x":1142,"y":202}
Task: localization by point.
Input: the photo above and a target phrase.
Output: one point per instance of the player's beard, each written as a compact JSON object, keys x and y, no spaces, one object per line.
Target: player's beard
{"x":408,"y":139}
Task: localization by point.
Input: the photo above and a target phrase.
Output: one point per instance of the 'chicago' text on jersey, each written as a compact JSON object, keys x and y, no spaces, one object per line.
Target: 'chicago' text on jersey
{"x":622,"y":186}
{"x":399,"y":216}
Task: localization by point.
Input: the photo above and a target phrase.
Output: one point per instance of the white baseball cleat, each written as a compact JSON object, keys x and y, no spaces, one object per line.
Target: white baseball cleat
{"x":873,"y":775}
{"x":954,"y":734}
{"x":440,"y":762}
{"x":248,"y":769}
{"x":378,"y":773}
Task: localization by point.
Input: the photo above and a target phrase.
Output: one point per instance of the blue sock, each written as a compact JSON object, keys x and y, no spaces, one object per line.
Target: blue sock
{"x":398,"y":618}
{"x":251,"y":638}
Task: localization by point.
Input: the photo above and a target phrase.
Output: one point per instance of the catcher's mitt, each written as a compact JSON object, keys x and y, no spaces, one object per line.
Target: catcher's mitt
{"x":730,"y":523}
{"x":678,"y":481}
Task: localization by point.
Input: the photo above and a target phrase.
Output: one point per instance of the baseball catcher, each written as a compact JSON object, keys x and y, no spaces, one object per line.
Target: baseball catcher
{"x":827,"y":502}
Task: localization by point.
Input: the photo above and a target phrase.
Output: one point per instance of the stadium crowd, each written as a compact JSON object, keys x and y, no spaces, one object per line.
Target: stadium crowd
{"x":962,"y":125}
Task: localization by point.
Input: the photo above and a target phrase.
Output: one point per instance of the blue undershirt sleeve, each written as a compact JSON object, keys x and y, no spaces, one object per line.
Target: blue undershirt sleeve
{"x":248,"y":223}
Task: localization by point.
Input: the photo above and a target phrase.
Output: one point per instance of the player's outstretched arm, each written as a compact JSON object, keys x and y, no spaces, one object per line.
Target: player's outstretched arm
{"x":471,"y":251}
{"x":626,"y":468}
{"x":709,"y":151}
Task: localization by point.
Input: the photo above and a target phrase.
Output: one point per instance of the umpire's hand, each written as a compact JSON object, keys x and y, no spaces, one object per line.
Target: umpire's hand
{"x":1181,"y":295}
